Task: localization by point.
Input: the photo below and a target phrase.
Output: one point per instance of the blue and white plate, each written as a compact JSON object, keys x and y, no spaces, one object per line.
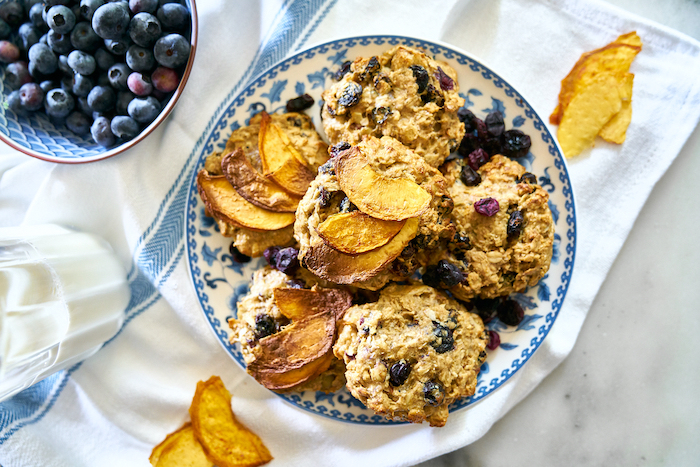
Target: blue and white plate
{"x":219,"y":281}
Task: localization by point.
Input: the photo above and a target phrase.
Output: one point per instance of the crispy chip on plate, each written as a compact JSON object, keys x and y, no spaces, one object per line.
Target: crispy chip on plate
{"x":180,"y":449}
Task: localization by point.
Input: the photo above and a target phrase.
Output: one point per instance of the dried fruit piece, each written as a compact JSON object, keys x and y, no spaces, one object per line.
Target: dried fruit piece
{"x":355,"y":232}
{"x":255,"y":188}
{"x":444,"y":341}
{"x":342,"y":268}
{"x":296,"y":354}
{"x":487,"y":206}
{"x":510,"y":312}
{"x":226,"y":442}
{"x":615,"y":131}
{"x":296,"y":303}
{"x":443,"y":275}
{"x":299,"y":103}
{"x":392,"y":199}
{"x":180,"y":448}
{"x":399,"y":373}
{"x":223,"y":202}
{"x":280,"y":160}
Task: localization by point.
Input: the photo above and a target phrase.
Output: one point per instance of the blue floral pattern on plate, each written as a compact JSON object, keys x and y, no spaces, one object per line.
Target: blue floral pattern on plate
{"x":219,"y":281}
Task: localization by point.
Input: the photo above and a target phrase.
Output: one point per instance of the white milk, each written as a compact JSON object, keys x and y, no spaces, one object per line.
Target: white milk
{"x":62,"y":295}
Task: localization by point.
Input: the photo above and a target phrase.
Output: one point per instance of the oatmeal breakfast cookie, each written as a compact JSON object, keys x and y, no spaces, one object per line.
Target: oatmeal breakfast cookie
{"x":324,"y":198}
{"x":402,"y":93}
{"x":300,"y":130}
{"x":504,"y":251}
{"x":412,"y":353}
{"x":258,"y":317}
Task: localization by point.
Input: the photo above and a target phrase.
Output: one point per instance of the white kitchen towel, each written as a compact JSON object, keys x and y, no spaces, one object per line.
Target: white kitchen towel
{"x":113,"y":408}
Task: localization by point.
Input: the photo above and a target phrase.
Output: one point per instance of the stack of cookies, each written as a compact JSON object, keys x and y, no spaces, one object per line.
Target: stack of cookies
{"x":380,"y":244}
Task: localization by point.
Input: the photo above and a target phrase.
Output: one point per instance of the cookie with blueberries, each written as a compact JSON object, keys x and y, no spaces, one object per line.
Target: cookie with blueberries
{"x":396,"y":257}
{"x":402,"y":93}
{"x":259,"y":317}
{"x":504,"y":230}
{"x":411,"y":353}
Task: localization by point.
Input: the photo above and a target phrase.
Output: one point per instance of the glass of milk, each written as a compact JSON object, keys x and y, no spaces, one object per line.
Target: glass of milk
{"x":63,"y":293}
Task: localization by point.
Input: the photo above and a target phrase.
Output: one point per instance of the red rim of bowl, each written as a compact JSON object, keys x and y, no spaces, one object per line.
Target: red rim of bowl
{"x":146,"y":131}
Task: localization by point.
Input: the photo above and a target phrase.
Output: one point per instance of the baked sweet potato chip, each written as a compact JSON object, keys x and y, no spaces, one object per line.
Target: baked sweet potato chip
{"x":223,"y":202}
{"x":253,"y":187}
{"x":180,"y":448}
{"x":356,"y":232}
{"x":298,"y":304}
{"x":391,"y":199}
{"x":281,"y":161}
{"x":342,"y":268}
{"x":615,"y":131}
{"x":291,"y":356}
{"x":226,"y":442}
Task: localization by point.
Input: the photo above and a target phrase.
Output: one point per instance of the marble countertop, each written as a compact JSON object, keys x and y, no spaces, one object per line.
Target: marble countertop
{"x":627,"y":393}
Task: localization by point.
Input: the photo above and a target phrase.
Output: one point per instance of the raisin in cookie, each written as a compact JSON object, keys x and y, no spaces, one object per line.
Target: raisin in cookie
{"x":404,"y":253}
{"x":258,"y":317}
{"x":402,"y":93}
{"x":412,"y":353}
{"x":504,"y":228}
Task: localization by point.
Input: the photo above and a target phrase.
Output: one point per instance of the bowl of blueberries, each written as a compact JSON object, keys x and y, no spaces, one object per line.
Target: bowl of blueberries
{"x":84,"y":80}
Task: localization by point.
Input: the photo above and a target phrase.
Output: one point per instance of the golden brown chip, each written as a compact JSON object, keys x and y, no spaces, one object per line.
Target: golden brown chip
{"x":356,"y":232}
{"x":280,"y":160}
{"x":255,"y":188}
{"x":615,"y":131}
{"x":614,"y":57}
{"x":342,"y":268}
{"x":226,"y":442}
{"x":298,"y":304}
{"x":391,"y":199}
{"x":587,"y":113}
{"x":223,"y":202}
{"x":180,"y":449}
{"x":290,"y":357}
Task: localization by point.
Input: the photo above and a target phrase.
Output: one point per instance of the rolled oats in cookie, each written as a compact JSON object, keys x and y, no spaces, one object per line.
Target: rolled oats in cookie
{"x":402,"y":93}
{"x":411,"y":353}
{"x":286,"y":351}
{"x":251,"y":208}
{"x":379,"y":250}
{"x":504,"y":230}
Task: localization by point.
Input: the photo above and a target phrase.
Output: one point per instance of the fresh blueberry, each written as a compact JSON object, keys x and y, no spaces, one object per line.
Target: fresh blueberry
{"x":14,"y":103}
{"x":12,"y":13}
{"x":88,"y":7}
{"x":5,"y":29}
{"x":144,"y":109}
{"x":45,"y":60}
{"x":148,"y":6}
{"x":82,"y":85}
{"x":9,"y":52}
{"x":59,"y":103}
{"x":37,"y":75}
{"x":140,"y":58}
{"x":139,"y":84}
{"x":31,"y":96}
{"x":102,"y":132}
{"x":144,"y":29}
{"x":172,"y":50}
{"x":103,"y":80}
{"x":81,"y":62}
{"x":64,"y":66}
{"x":173,"y":17}
{"x":48,"y":85}
{"x":103,"y":59}
{"x":17,"y":74}
{"x":78,"y":123}
{"x":67,"y":84}
{"x":36,"y":17}
{"x":59,"y":43}
{"x":118,"y":46}
{"x":165,"y":79}
{"x":81,"y":104}
{"x":111,"y":20}
{"x":83,"y":37}
{"x":29,"y":35}
{"x":60,"y":19}
{"x":123,"y":99}
{"x":118,"y":75}
{"x":102,"y":98}
{"x":125,"y":128}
